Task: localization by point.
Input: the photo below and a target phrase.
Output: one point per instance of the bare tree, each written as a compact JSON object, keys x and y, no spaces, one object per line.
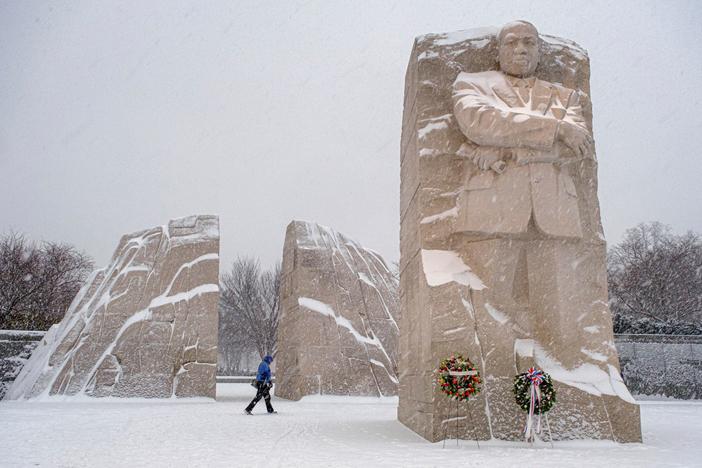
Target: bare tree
{"x":38,"y":282}
{"x":233,"y":346}
{"x":655,"y":281}
{"x":269,"y":285}
{"x":249,"y":306}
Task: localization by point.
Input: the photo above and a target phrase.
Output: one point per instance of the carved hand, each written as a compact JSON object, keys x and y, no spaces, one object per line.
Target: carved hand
{"x":577,"y":139}
{"x":485,"y":160}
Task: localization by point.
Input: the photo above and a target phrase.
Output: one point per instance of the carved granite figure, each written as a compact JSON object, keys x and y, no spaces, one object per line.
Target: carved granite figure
{"x":523,"y":134}
{"x":502,"y":252}
{"x":145,"y":326}
{"x":521,"y":130}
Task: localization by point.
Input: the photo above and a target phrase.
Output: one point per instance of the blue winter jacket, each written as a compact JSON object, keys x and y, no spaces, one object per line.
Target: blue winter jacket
{"x":264,"y":370}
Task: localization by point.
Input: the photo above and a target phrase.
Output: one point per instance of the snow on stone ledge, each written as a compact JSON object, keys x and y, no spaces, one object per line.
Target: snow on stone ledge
{"x":476,"y":38}
{"x":325,"y":309}
{"x":22,"y":333}
{"x":445,"y":266}
{"x":587,"y":377}
{"x":454,"y":37}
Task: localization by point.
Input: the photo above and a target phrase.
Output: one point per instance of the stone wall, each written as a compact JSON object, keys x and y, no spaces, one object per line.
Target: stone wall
{"x":16,"y":347}
{"x":337,"y":332}
{"x":144,"y":326}
{"x":662,"y":365}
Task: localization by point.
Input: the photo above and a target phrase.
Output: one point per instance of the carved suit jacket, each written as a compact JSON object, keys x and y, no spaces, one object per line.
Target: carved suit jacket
{"x":535,"y":180}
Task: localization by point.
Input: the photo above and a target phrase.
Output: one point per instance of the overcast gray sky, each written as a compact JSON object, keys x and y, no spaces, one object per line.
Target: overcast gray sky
{"x":117,"y":116}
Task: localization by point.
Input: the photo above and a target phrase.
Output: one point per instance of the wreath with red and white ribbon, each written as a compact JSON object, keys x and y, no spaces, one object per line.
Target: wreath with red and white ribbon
{"x":535,"y":394}
{"x":534,"y":391}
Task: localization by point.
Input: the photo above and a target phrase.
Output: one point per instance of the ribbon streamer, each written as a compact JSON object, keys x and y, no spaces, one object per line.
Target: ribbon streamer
{"x":535,"y":376}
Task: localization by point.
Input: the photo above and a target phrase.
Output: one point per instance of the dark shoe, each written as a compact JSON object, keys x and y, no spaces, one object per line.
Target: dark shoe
{"x":246,"y":411}
{"x":273,"y":412}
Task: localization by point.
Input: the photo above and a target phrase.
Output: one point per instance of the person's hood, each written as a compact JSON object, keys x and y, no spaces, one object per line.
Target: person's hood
{"x":268,"y":358}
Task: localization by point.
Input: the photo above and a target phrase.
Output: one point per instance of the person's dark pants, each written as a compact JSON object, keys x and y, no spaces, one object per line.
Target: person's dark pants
{"x":264,"y":391}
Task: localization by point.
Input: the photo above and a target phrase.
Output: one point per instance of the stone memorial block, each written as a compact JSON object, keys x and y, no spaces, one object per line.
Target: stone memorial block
{"x":145,"y":326}
{"x":337,"y":332}
{"x":502,"y":250}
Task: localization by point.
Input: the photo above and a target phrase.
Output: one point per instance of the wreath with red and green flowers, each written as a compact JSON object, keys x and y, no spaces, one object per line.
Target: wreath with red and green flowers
{"x":458,"y":378}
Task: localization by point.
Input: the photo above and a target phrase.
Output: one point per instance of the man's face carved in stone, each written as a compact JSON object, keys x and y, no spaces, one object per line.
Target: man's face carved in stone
{"x":519,"y":49}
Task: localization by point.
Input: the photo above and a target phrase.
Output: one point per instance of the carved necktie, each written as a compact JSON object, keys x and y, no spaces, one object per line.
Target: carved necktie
{"x":524,"y":90}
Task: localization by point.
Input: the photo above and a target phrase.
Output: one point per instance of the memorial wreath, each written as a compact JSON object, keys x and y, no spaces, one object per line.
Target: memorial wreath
{"x":534,"y":391}
{"x":458,"y":378}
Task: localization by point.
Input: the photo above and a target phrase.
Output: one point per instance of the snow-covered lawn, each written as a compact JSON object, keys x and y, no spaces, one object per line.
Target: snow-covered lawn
{"x":317,"y":431}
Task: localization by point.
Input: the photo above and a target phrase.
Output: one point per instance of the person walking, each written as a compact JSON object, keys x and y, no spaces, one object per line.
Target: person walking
{"x":263,"y":386}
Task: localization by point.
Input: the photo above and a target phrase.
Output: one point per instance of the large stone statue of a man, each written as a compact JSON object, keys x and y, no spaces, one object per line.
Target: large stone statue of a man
{"x":520,"y":131}
{"x":523,"y":135}
{"x":502,"y":255}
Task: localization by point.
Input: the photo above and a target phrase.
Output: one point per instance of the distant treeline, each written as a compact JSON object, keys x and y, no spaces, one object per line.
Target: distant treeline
{"x":654,"y":276}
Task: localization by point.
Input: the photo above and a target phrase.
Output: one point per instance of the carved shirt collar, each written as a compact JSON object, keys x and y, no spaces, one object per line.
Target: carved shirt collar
{"x":517,"y":82}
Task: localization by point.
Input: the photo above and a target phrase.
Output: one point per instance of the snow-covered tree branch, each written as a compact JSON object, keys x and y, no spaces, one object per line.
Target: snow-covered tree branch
{"x":655,"y":281}
{"x":38,"y":282}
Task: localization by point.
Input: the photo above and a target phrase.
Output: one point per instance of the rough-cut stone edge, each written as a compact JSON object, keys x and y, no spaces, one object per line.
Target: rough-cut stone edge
{"x":295,"y":386}
{"x":37,"y":365}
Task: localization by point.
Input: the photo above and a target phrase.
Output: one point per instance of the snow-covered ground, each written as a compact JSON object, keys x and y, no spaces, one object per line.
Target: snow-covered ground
{"x":317,"y":431}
